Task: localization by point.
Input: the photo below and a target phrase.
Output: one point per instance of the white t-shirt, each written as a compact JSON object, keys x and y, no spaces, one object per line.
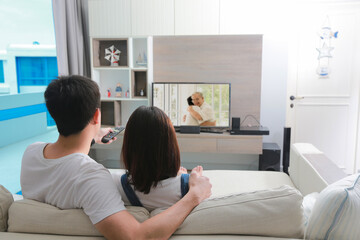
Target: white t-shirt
{"x":164,"y":195}
{"x":72,"y":181}
{"x":206,"y":112}
{"x":190,"y":120}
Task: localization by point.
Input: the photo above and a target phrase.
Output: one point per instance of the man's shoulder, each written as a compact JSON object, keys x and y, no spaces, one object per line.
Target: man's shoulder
{"x":34,"y":148}
{"x":83,"y":160}
{"x":36,"y":145}
{"x":206,"y":106}
{"x":86,"y":166}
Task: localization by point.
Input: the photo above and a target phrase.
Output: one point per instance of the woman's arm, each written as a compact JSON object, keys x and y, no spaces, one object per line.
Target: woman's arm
{"x":195,"y":114}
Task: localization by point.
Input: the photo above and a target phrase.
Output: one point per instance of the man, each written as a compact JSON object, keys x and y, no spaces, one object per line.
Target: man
{"x":205,"y":115}
{"x":62,"y":174}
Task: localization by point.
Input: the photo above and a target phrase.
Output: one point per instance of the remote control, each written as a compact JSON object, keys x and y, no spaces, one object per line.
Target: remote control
{"x":111,"y":135}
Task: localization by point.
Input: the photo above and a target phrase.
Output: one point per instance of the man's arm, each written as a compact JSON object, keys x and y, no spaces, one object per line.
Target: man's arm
{"x":123,"y":225}
{"x":208,"y":123}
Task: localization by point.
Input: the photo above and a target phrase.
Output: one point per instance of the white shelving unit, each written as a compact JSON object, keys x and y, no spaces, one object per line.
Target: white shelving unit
{"x":132,"y":74}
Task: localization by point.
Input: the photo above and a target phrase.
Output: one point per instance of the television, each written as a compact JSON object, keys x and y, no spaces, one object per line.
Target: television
{"x":211,"y":101}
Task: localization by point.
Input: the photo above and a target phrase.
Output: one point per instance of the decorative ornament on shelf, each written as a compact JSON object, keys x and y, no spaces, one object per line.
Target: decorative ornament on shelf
{"x":141,"y":92}
{"x":325,"y":34}
{"x":109,"y":92}
{"x":112,"y":54}
{"x":118,"y":90}
{"x":127,"y":94}
{"x":145,"y":57}
{"x":141,"y":59}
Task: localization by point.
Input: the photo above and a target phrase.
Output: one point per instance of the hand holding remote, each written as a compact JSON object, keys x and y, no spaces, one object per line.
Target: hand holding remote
{"x":111,"y":135}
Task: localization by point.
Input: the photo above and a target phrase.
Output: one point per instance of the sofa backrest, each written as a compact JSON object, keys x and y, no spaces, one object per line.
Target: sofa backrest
{"x":29,"y":216}
{"x":278,"y":211}
{"x":6,"y":199}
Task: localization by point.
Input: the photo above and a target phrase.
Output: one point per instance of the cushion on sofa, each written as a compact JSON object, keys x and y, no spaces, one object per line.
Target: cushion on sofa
{"x":336,"y":214}
{"x":6,"y":199}
{"x":35,"y":217}
{"x":308,"y":205}
{"x":274,"y":212}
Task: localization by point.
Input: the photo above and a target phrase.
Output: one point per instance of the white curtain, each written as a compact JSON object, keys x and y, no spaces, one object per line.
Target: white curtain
{"x":72,"y":36}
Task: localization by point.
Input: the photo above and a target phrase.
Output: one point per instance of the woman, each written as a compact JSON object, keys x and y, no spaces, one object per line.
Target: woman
{"x":151,"y":157}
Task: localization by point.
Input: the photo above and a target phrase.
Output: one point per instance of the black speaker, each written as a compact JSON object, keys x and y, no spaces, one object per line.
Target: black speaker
{"x":190,"y":129}
{"x":269,"y":160}
{"x":235,"y":125}
{"x":286,"y":150}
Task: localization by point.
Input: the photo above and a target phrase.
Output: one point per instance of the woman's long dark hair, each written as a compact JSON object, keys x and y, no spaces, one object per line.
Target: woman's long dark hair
{"x":150,"y":150}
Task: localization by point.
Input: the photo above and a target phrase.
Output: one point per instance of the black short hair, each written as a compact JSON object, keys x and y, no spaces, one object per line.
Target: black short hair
{"x":189,"y":100}
{"x":72,"y":102}
{"x":150,"y":150}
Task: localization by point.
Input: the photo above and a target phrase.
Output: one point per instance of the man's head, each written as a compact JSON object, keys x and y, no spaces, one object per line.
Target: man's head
{"x":197,"y":98}
{"x":72,"y":101}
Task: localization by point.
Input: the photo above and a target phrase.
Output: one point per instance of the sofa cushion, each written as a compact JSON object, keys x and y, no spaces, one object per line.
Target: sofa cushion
{"x":225,"y":182}
{"x":274,"y":212}
{"x":35,"y":217}
{"x":336,"y":214}
{"x":6,"y":199}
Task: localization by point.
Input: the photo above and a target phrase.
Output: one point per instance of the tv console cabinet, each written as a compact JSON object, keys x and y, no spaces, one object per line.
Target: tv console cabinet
{"x":203,"y":143}
{"x":219,"y":143}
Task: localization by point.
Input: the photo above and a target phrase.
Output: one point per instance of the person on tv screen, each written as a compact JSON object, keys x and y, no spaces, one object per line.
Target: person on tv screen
{"x":153,"y":178}
{"x":205,"y":114}
{"x":188,"y":119}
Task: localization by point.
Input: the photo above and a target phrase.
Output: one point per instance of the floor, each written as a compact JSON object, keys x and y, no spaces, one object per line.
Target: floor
{"x":11,"y":155}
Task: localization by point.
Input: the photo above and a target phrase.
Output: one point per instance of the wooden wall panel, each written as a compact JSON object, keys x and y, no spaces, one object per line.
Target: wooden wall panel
{"x":218,"y":59}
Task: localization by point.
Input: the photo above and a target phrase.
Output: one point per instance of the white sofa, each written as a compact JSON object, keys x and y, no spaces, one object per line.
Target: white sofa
{"x":245,"y":205}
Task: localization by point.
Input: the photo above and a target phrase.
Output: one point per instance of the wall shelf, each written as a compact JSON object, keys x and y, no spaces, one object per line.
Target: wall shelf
{"x":99,"y":52}
{"x":139,"y":83}
{"x":125,"y":84}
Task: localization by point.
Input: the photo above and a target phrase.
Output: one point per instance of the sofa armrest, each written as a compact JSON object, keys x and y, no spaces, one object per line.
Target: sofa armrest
{"x":307,"y":168}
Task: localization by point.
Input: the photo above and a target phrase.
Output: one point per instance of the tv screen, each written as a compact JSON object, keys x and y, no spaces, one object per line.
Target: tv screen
{"x":194,"y":104}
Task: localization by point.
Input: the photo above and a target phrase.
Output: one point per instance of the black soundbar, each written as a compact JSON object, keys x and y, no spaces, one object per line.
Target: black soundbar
{"x":250,"y":131}
{"x":190,"y":129}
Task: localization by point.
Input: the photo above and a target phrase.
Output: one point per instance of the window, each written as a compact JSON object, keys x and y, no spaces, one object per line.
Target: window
{"x":1,"y":71}
{"x":36,"y":71}
{"x":33,"y":72}
{"x":218,"y":97}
